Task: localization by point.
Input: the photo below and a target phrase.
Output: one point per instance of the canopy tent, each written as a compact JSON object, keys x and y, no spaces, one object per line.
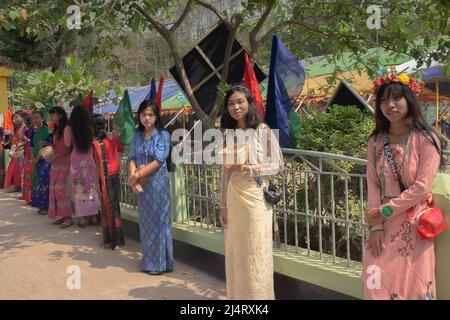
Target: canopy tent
{"x":434,"y":78}
{"x":345,"y":95}
{"x":411,"y":66}
{"x":172,"y":98}
{"x":318,"y":69}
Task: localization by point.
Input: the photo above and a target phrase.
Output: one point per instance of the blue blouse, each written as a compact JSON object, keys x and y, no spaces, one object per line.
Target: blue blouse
{"x":144,"y":151}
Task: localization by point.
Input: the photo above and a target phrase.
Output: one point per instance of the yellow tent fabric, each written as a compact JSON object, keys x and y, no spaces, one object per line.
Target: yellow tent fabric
{"x":358,"y":82}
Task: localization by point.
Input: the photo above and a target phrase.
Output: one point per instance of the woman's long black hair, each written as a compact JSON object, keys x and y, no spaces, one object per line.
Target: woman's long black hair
{"x":82,"y":133}
{"x":414,"y":116}
{"x":252,"y":117}
{"x":63,"y":121}
{"x":144,"y":105}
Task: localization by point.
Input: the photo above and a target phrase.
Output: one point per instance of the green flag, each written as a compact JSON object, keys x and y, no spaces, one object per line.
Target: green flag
{"x":123,"y":119}
{"x":77,"y":100}
{"x":294,"y":124}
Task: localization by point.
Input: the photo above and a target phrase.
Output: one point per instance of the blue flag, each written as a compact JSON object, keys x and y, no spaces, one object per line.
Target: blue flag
{"x":286,"y":79}
{"x":152,"y":94}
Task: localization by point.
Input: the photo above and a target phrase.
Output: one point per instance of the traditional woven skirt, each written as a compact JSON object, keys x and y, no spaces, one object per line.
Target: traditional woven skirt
{"x":248,"y":241}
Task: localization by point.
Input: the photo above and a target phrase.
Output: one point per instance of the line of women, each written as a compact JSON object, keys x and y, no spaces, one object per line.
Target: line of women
{"x":62,"y":172}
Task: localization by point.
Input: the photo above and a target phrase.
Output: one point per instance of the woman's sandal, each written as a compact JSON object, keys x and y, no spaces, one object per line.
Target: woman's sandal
{"x":66,"y":224}
{"x":60,"y":221}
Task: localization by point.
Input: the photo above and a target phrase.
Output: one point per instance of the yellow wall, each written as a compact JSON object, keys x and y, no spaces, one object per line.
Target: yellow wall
{"x":5,"y":73}
{"x":441,"y":197}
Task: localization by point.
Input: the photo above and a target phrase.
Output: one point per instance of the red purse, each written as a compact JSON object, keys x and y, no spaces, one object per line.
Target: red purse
{"x":430,"y":224}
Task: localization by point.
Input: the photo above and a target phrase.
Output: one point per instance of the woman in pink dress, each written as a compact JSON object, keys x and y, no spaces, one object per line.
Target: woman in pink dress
{"x":59,"y":203}
{"x":83,"y":171}
{"x":397,"y":264}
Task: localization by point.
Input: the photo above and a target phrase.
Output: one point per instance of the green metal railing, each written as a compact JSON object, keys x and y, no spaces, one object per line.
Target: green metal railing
{"x":321,"y":213}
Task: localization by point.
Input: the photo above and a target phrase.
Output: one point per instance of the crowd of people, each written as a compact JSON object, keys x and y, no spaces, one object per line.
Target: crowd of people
{"x":60,"y":171}
{"x":72,"y":171}
{"x":63,"y":185}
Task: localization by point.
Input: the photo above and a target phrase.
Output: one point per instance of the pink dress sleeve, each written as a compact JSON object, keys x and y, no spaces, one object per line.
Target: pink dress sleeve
{"x":67,"y":136}
{"x":373,"y":180}
{"x":429,"y":160}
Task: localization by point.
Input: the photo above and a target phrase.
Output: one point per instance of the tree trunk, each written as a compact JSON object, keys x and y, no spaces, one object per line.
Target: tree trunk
{"x":201,"y":115}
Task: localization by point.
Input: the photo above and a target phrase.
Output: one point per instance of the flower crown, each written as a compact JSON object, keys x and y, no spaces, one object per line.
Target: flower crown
{"x":403,"y":78}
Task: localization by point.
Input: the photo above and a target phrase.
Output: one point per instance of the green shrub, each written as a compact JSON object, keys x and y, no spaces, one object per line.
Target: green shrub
{"x":340,"y":130}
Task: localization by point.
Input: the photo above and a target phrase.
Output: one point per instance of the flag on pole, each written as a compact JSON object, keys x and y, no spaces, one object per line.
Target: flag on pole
{"x":123,"y":120}
{"x":286,"y":79}
{"x":152,"y":94}
{"x":252,"y":83}
{"x":158,"y":98}
{"x":87,"y":102}
{"x":7,"y":122}
{"x":77,"y":100}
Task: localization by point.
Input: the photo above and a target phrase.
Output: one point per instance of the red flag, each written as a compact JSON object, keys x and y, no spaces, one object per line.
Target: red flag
{"x":7,"y":120}
{"x":87,"y":101}
{"x":252,"y":83}
{"x":158,"y":97}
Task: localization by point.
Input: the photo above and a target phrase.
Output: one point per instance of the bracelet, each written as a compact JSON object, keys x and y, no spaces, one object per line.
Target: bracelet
{"x":376,"y":229}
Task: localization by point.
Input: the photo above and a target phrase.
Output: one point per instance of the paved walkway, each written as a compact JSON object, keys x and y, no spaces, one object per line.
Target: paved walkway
{"x":35,"y":256}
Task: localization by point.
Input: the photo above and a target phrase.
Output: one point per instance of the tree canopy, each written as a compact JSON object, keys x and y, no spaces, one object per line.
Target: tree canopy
{"x":37,"y":30}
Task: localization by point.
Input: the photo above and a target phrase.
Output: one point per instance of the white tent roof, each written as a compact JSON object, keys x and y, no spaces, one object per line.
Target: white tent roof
{"x":411,"y":66}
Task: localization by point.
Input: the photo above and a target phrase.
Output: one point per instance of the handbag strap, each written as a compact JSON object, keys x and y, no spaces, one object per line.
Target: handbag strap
{"x":416,"y":219}
{"x":258,"y":180}
{"x":390,"y":159}
{"x":269,"y":143}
